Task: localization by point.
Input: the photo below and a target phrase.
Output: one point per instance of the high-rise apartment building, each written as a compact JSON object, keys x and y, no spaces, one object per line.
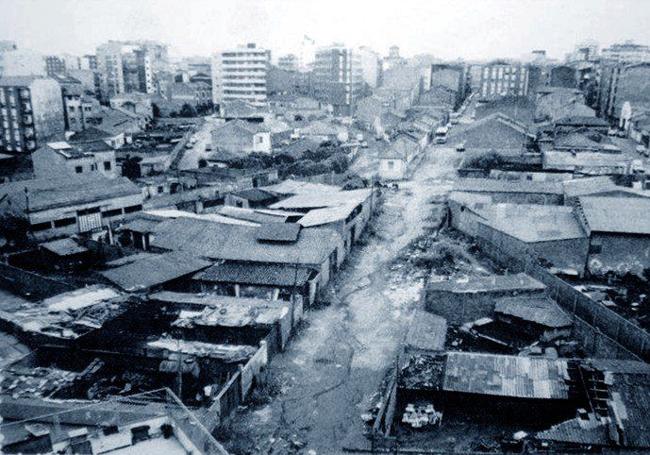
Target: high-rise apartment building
{"x":627,"y":52}
{"x":240,"y":74}
{"x":371,"y":66}
{"x":20,"y":62}
{"x":31,"y":112}
{"x":500,"y":79}
{"x":126,"y":66}
{"x":54,"y":65}
{"x":338,"y":78}
{"x":288,"y":62}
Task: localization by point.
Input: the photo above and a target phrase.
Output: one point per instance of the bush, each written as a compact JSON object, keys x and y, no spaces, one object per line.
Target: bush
{"x":487,"y":161}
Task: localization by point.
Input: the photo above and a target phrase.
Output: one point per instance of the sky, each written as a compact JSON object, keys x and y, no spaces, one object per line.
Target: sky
{"x":470,"y":29}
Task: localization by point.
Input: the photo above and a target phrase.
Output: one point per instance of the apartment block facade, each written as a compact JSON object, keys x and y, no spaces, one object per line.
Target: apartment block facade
{"x":241,"y":74}
{"x":501,"y":79}
{"x":126,"y":67}
{"x":31,"y":112}
{"x":338,"y":78}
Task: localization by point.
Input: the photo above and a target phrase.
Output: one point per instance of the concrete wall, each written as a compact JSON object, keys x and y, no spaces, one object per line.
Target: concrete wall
{"x":614,"y":334}
{"x":392,"y":169}
{"x":619,"y":253}
{"x":47,"y":108}
{"x":71,"y":211}
{"x":459,"y":308}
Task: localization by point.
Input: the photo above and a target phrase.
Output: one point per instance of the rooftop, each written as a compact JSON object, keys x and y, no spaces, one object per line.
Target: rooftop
{"x":66,"y":191}
{"x":63,"y":247}
{"x":616,"y":215}
{"x":426,"y":332}
{"x":154,"y":270}
{"x":231,"y":353}
{"x":480,"y":185}
{"x":507,"y":376}
{"x":492,"y":283}
{"x":540,"y":310}
{"x":534,"y":223}
{"x":240,"y":243}
{"x":314,"y":200}
{"x":259,"y":274}
{"x":68,"y":315}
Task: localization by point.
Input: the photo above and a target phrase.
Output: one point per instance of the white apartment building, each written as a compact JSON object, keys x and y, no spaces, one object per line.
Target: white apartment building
{"x":240,"y":74}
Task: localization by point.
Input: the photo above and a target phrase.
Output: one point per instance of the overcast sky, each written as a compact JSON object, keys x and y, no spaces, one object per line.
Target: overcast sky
{"x":476,"y":29}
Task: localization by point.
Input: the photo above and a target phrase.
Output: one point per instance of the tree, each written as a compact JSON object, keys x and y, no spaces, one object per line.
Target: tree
{"x":203,"y":163}
{"x":14,"y":228}
{"x":187,"y":111}
{"x":131,"y":167}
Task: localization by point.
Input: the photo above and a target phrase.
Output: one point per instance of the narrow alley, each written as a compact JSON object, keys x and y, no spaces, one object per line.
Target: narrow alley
{"x":334,"y":366}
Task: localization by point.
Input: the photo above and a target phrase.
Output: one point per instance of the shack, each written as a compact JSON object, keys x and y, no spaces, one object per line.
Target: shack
{"x":466,"y":299}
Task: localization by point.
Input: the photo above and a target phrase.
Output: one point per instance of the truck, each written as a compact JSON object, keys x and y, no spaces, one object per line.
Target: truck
{"x":441,"y":135}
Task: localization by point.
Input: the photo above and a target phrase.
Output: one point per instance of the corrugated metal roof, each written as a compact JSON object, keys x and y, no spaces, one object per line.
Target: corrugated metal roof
{"x":279,"y":232}
{"x":540,"y":310}
{"x":154,"y":270}
{"x":504,"y":375}
{"x":578,"y":431}
{"x":260,"y":274}
{"x":239,"y":243}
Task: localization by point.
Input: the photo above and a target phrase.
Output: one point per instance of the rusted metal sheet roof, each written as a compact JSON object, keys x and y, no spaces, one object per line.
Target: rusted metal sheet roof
{"x":503,"y":375}
{"x":540,"y":310}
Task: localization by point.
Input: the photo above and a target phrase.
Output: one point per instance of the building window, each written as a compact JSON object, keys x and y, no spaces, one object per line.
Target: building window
{"x":595,"y":247}
{"x":107,"y":165}
{"x":64,"y":222}
{"x":132,"y":209}
{"x":259,"y":139}
{"x":41,"y":226}
{"x":71,"y":108}
{"x":93,"y":167}
{"x":112,"y":213}
{"x":78,"y":169}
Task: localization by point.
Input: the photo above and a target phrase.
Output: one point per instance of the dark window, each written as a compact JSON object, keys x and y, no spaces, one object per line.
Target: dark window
{"x":79,"y":169}
{"x":107,"y":165}
{"x":93,"y":167}
{"x":354,"y":214}
{"x":88,"y":211}
{"x":133,"y":208}
{"x":65,"y":222}
{"x":110,"y":213}
{"x":41,"y":226}
{"x":595,"y":248}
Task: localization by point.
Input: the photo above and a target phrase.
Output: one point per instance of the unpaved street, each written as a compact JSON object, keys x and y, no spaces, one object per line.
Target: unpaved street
{"x":332,"y":368}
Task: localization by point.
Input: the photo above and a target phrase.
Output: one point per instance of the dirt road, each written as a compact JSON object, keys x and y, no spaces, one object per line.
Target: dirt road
{"x":332,"y":368}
